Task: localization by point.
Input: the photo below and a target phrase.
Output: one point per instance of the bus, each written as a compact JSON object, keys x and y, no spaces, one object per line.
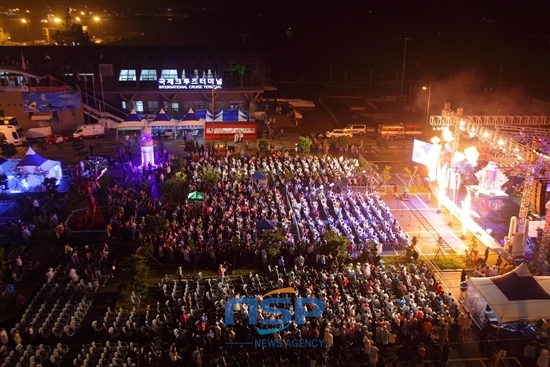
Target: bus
{"x":399,"y":131}
{"x":11,"y":132}
{"x":413,"y":131}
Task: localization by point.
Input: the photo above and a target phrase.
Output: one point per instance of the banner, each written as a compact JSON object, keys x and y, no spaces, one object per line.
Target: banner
{"x":50,"y":102}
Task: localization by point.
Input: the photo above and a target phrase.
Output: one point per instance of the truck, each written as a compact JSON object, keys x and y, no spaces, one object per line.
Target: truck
{"x":11,"y":132}
{"x":38,"y":132}
{"x":399,"y":131}
{"x":89,"y":131}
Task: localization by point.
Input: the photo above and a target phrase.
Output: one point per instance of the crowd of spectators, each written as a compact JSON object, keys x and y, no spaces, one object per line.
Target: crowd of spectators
{"x":373,"y":312}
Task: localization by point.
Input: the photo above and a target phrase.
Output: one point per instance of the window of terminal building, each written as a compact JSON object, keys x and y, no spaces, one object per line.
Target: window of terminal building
{"x":152,"y":106}
{"x":200,"y":105}
{"x":148,"y":75}
{"x":236,"y":105}
{"x":175,"y":106}
{"x":124,"y":105}
{"x":169,"y":74}
{"x":127,"y":75}
{"x":138,"y":106}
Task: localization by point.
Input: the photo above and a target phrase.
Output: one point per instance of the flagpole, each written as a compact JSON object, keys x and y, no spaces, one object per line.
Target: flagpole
{"x":96,"y":104}
{"x":86,"y":92}
{"x":213,"y":118}
{"x":102,"y":92}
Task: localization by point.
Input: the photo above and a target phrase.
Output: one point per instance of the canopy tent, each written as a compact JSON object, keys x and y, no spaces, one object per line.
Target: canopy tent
{"x":265,"y":224}
{"x":196,"y":116}
{"x":258,"y":176}
{"x":6,"y":165}
{"x":162,"y":119}
{"x":133,"y":122}
{"x":31,"y":171}
{"x":514,"y":296}
{"x":201,"y":114}
{"x":192,"y":119}
{"x":195,"y":196}
{"x":230,"y":116}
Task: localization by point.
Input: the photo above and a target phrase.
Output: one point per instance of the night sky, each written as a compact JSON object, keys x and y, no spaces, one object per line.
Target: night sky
{"x":306,"y":37}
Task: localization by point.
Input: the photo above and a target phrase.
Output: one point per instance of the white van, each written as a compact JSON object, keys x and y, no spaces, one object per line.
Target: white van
{"x":11,"y":132}
{"x":89,"y":131}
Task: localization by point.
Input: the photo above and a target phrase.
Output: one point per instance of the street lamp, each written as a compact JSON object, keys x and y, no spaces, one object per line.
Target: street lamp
{"x":26,"y":23}
{"x":429,"y":89}
{"x":97,"y":19}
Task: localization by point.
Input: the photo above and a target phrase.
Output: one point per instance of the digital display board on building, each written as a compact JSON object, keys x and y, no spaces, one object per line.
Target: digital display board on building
{"x":190,"y":83}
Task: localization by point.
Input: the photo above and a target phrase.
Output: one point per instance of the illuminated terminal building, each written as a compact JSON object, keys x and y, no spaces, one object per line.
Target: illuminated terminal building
{"x":107,"y":82}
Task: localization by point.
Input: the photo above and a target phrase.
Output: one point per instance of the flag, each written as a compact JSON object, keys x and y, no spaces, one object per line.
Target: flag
{"x":23,"y":63}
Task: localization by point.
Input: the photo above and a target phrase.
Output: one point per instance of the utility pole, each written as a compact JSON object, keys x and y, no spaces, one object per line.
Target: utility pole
{"x":244,"y":37}
{"x":405,"y":40}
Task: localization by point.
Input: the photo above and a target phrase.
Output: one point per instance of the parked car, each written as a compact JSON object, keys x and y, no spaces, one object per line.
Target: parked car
{"x":336,"y":133}
{"x":112,"y":162}
{"x":356,"y":129}
{"x":55,"y":138}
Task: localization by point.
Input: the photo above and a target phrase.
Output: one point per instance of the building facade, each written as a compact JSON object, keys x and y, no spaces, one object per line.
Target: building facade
{"x":117,"y":79}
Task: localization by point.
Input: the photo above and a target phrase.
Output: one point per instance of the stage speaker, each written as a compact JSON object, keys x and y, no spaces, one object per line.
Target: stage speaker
{"x":538,"y":197}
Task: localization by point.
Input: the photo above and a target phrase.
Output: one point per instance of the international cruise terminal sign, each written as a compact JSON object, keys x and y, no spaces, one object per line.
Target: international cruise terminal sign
{"x":190,"y":83}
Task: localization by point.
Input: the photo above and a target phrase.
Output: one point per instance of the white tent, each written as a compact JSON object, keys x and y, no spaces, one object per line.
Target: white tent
{"x":514,"y":296}
{"x":7,"y":164}
{"x":132,"y":122}
{"x":231,"y":116}
{"x":163,"y":120}
{"x":183,"y":123}
{"x":30,"y":172}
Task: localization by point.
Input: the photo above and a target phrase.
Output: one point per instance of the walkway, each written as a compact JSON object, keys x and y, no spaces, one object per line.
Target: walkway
{"x":418,"y":217}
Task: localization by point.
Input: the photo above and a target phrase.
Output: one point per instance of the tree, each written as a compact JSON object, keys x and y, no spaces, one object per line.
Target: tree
{"x":147,"y":249}
{"x":179,"y":164}
{"x":22,"y":175}
{"x":136,"y":273}
{"x":342,"y":142}
{"x":39,"y":172}
{"x":411,"y":174}
{"x":4,"y":183}
{"x":335,"y":245}
{"x":272,"y":242}
{"x":50,"y":183}
{"x":304,"y":144}
{"x":210,"y":176}
{"x":8,"y":150}
{"x":174,"y":190}
{"x":42,"y":146}
{"x":154,"y":224}
{"x":263,"y":146}
{"x":386,"y":175}
{"x":365,"y":165}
